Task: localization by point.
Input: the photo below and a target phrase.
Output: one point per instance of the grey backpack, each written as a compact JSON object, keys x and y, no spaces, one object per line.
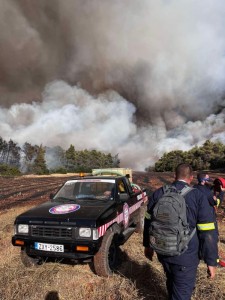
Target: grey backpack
{"x":169,"y":229}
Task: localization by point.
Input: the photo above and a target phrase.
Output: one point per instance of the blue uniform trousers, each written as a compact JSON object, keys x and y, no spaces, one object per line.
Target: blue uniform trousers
{"x":180,"y":280}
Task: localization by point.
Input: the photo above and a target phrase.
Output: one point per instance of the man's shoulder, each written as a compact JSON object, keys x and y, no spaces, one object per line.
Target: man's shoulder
{"x":197,"y":193}
{"x":202,"y":188}
{"x":158,"y":193}
{"x":179,"y":185}
{"x":158,"y":190}
{"x":196,"y":186}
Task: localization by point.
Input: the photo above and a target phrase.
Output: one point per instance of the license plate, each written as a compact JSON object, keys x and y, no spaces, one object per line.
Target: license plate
{"x":49,"y":247}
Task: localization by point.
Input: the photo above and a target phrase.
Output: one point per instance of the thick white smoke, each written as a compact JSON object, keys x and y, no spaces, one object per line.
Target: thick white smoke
{"x":137,"y":78}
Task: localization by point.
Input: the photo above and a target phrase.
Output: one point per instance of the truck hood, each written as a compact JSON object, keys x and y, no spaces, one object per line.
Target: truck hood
{"x":80,"y":212}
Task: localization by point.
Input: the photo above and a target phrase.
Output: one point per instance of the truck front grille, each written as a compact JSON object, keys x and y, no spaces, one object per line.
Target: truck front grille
{"x":50,"y":231}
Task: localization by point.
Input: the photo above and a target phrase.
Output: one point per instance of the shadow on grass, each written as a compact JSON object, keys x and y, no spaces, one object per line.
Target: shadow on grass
{"x":52,"y":295}
{"x":222,"y":240}
{"x":147,"y":279}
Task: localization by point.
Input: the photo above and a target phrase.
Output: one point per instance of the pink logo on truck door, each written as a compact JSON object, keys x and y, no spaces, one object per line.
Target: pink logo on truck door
{"x":64,"y":209}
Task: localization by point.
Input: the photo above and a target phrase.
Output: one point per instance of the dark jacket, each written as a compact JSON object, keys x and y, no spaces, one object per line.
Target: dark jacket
{"x":199,"y":215}
{"x":208,"y":192}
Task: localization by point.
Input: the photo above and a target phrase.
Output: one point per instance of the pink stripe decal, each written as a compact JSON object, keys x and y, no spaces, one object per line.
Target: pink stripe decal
{"x":102,"y":229}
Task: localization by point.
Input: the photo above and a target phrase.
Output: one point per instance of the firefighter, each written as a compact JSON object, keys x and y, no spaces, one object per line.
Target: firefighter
{"x":181,"y":270}
{"x":204,"y":186}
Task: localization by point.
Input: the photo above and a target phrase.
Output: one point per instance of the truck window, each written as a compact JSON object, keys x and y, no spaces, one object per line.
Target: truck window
{"x":129,"y":185}
{"x":121,"y":187}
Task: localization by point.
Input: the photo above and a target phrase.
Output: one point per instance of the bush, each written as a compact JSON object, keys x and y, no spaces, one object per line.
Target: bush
{"x":209,"y":156}
{"x":6,"y":170}
{"x":59,"y":170}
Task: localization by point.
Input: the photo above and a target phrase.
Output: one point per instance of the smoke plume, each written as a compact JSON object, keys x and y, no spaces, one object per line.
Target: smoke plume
{"x":138,"y":78}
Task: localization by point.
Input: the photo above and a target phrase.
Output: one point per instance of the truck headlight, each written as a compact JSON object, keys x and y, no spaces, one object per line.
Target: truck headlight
{"x":23,"y":228}
{"x":85,"y":232}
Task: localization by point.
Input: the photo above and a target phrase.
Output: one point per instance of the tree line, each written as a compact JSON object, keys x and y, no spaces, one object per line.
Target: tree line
{"x":209,"y":156}
{"x":39,"y":159}
{"x":31,"y":159}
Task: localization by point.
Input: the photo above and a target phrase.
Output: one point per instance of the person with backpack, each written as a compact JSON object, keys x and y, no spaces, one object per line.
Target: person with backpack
{"x":180,"y":228}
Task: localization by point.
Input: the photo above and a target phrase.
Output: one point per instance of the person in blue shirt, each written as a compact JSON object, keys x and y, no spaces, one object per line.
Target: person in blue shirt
{"x":205,"y":187}
{"x":181,"y":270}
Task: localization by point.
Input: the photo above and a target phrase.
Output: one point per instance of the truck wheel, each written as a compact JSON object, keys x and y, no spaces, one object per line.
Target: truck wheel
{"x":105,"y":260}
{"x":140,"y":221}
{"x":29,"y":261}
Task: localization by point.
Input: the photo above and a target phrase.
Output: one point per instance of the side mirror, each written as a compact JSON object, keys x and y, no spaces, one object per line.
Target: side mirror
{"x":51,"y":196}
{"x":123,"y":197}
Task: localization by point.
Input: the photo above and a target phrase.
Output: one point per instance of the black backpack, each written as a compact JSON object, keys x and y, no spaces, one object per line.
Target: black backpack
{"x":169,"y":229}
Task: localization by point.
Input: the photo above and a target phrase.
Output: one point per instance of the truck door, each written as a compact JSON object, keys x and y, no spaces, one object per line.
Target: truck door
{"x":129,"y":205}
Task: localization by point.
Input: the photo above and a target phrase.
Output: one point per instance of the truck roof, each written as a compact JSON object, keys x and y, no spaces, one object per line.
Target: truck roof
{"x":98,"y":177}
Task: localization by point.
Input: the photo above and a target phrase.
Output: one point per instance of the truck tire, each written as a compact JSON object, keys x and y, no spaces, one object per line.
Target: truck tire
{"x":140,"y":221}
{"x":106,"y":259}
{"x":29,"y":261}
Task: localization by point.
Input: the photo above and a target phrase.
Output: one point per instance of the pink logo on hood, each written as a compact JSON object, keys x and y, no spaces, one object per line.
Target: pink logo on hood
{"x":64,"y":209}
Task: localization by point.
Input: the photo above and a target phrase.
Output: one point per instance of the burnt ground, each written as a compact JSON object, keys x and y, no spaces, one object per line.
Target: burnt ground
{"x":26,"y":190}
{"x":17,"y":191}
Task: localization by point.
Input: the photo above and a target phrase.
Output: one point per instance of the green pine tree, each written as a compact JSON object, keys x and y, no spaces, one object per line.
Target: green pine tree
{"x":39,"y":166}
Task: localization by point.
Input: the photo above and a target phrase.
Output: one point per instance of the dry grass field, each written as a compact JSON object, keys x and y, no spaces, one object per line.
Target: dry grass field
{"x":136,"y":279}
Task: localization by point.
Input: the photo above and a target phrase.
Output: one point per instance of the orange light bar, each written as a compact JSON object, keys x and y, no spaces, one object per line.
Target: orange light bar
{"x":82,"y":248}
{"x":19,"y":242}
{"x":81,"y":174}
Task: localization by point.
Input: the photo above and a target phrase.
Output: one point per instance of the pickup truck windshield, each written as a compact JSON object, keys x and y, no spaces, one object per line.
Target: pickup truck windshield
{"x":99,"y":189}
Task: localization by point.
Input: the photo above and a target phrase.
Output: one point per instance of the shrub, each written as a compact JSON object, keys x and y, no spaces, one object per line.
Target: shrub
{"x":59,"y":170}
{"x":6,"y":170}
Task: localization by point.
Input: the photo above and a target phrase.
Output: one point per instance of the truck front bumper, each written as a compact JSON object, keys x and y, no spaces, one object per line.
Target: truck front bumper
{"x":72,"y":250}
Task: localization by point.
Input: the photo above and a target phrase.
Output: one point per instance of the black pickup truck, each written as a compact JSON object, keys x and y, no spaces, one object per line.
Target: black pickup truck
{"x":89,"y":217}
